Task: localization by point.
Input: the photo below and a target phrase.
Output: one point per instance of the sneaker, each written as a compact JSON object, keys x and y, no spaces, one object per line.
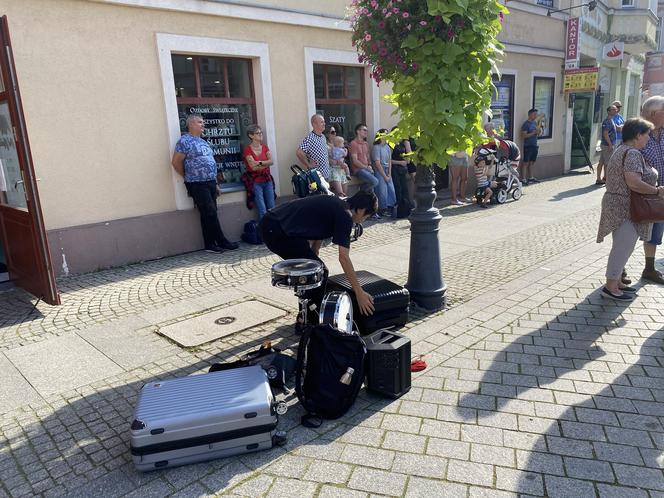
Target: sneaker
{"x":652,"y":276}
{"x":628,"y":289}
{"x":227,"y":244}
{"x":524,"y":182}
{"x":376,"y":216}
{"x":214,"y":248}
{"x":532,"y":179}
{"x":625,"y":297}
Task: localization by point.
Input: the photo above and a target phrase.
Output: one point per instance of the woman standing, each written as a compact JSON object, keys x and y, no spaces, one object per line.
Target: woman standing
{"x":458,"y":166}
{"x":381,"y":157}
{"x":258,"y":160}
{"x":626,"y":172}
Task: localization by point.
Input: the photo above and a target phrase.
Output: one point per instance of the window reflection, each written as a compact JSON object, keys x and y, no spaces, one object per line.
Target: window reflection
{"x":212,"y":77}
{"x":183,"y":71}
{"x":11,"y":180}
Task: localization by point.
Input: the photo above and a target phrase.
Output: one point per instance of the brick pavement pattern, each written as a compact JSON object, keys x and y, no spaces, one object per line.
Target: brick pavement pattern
{"x":535,"y":386}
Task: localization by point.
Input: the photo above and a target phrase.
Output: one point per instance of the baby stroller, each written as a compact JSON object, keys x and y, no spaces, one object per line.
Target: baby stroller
{"x":506,"y":174}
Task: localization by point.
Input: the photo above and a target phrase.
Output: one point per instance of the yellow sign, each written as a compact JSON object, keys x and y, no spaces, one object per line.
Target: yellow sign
{"x":580,"y":80}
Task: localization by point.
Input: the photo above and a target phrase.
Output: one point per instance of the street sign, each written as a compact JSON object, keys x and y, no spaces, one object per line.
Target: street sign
{"x":580,"y":80}
{"x":572,"y":44}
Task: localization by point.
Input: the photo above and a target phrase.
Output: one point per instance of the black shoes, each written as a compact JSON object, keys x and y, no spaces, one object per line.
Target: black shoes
{"x":625,"y":297}
{"x":226,"y":245}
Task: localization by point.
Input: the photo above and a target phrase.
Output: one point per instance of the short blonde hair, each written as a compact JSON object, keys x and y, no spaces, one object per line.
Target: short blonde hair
{"x":651,"y":106}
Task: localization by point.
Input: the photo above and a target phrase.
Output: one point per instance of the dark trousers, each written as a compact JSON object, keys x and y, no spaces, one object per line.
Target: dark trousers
{"x":292,"y":248}
{"x":205,"y":199}
{"x":399,"y":179}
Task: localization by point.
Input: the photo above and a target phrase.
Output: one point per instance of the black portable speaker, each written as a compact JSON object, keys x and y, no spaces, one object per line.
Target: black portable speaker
{"x":388,"y":363}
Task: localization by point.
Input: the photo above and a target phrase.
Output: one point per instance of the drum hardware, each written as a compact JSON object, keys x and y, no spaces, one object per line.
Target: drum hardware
{"x":300,"y":275}
{"x":356,"y":232}
{"x":337,"y":311}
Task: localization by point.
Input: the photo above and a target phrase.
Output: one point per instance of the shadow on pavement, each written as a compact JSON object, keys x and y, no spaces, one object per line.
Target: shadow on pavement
{"x":81,"y":449}
{"x":566,"y":194}
{"x":593,"y":439}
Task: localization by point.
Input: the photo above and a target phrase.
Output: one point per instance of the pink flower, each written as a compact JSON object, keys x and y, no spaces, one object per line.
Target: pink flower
{"x":423,"y":23}
{"x":384,"y":11}
{"x":414,"y":66}
{"x":405,"y":15}
{"x":395,"y":10}
{"x":374,"y":4}
{"x":501,"y":17}
{"x":367,"y":37}
{"x":388,"y":14}
{"x":383,"y":52}
{"x":381,"y":24}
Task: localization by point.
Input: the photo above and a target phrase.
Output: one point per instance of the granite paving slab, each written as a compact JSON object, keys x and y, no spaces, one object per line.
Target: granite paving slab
{"x":220,"y":323}
{"x":15,"y":390}
{"x":129,"y":342}
{"x":61,"y":363}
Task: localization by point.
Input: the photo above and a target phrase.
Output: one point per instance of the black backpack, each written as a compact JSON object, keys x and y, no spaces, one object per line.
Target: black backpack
{"x":251,"y":234}
{"x":323,"y":359}
{"x":403,"y":208}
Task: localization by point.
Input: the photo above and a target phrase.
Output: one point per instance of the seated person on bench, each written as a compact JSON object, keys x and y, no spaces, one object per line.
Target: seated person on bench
{"x":288,"y":229}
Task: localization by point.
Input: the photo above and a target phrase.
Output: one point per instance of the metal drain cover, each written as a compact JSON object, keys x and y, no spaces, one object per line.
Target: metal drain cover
{"x":224,"y":320}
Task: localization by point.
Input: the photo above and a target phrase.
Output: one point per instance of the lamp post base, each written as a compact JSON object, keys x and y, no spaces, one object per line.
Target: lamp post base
{"x":425,"y":280}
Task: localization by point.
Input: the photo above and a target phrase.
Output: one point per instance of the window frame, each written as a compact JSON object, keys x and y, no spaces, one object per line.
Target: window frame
{"x":627,"y":4}
{"x":544,"y":77}
{"x":326,"y":100}
{"x":508,"y":75}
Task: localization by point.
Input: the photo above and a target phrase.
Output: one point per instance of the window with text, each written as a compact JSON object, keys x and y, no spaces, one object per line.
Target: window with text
{"x":221,"y":90}
{"x":543,"y":99}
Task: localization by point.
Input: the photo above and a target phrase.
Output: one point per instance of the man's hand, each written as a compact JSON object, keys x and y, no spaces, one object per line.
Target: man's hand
{"x":365,"y":302}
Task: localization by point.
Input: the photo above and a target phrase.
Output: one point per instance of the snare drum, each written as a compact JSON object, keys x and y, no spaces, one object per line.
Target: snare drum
{"x":337,"y":310}
{"x":299,"y":274}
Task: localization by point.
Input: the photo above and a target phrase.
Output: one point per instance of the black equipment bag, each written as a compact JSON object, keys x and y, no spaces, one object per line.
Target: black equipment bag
{"x":305,"y":183}
{"x":324,"y":357}
{"x":391,"y":301}
{"x":251,"y":233}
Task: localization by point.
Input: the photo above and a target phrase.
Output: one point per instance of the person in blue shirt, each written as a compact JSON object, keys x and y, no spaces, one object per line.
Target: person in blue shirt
{"x":529,"y":132}
{"x":193,"y":159}
{"x":619,"y":121}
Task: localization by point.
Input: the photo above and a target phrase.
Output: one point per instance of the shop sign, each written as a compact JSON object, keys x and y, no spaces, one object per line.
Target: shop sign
{"x":613,"y":51}
{"x":572,"y":44}
{"x":580,"y":80}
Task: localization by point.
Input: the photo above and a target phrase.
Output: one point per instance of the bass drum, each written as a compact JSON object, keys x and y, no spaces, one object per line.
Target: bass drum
{"x":337,"y":311}
{"x":299,"y":274}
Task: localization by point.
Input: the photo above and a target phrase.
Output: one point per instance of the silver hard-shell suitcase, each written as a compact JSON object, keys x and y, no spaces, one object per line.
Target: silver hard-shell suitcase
{"x":202,"y":417}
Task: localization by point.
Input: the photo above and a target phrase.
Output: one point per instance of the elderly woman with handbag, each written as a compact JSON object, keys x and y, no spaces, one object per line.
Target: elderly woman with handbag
{"x":627,"y":174}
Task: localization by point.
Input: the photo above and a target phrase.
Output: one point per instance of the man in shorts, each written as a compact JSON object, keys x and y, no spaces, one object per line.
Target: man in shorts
{"x":529,"y":132}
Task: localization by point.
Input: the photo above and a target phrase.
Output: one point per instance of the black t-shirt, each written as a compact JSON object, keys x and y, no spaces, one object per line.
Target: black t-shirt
{"x":398,"y":151}
{"x":317,"y":217}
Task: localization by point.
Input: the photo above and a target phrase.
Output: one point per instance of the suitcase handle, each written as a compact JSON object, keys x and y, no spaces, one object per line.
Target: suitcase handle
{"x":296,"y":169}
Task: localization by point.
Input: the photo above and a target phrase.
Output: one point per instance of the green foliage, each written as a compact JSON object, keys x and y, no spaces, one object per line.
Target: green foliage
{"x":439,"y":56}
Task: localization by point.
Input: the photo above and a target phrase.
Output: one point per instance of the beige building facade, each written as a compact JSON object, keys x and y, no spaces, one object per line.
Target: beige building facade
{"x":105,"y":86}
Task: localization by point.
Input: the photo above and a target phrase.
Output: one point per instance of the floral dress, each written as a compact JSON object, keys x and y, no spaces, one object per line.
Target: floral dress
{"x":615,"y":203}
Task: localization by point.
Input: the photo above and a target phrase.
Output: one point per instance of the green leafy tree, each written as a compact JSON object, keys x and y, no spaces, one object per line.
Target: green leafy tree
{"x":439,"y":56}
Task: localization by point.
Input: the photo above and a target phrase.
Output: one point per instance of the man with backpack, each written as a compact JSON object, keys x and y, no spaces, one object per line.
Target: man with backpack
{"x":288,"y":229}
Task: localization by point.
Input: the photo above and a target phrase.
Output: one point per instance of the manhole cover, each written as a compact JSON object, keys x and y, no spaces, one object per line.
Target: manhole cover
{"x":224,"y":320}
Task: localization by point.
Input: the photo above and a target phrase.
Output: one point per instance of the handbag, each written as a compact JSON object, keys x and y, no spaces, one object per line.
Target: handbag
{"x":645,"y":208}
{"x":306,"y":183}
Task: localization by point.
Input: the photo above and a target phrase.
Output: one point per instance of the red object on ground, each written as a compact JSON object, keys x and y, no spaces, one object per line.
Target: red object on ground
{"x":417,"y":365}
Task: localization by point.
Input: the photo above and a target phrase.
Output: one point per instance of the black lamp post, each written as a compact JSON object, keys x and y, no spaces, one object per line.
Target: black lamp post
{"x":425,"y":279}
{"x":591,"y":6}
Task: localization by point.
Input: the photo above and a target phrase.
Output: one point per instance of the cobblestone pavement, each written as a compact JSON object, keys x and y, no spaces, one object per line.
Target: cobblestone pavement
{"x":535,"y":385}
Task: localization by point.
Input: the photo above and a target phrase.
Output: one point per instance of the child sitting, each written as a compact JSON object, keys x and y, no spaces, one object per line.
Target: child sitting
{"x":483,"y":194}
{"x":340,"y":174}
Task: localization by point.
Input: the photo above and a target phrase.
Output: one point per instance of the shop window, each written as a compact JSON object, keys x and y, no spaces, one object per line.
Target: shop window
{"x":543,"y":99}
{"x":339,"y":94}
{"x":502,"y":105}
{"x":221,"y":90}
{"x":545,"y":3}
